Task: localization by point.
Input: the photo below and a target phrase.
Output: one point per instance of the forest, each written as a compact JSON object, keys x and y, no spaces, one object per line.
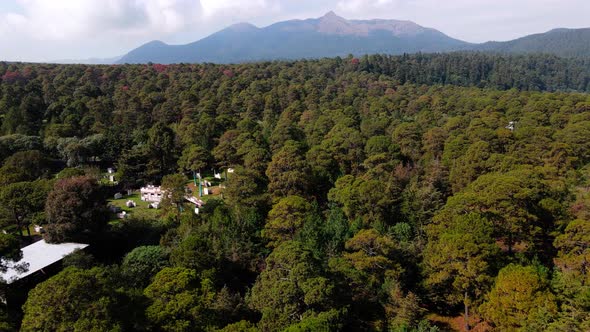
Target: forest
{"x":428,"y":192}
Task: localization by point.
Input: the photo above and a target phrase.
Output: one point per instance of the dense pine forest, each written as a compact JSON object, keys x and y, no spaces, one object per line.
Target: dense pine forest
{"x":382,"y":193}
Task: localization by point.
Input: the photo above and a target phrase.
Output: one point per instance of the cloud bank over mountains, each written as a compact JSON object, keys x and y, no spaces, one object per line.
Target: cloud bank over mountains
{"x":42,"y":30}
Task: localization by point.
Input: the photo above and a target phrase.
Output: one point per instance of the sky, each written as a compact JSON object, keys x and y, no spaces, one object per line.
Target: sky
{"x":48,"y":30}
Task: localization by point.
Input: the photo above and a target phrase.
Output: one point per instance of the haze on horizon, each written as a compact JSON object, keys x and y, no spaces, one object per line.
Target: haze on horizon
{"x":39,"y":30}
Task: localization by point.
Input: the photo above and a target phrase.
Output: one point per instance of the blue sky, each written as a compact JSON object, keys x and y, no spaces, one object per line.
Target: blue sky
{"x":10,"y":6}
{"x":45,"y":30}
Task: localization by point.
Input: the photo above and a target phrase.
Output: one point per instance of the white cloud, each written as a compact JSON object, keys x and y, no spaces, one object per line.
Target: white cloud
{"x":75,"y":28}
{"x":215,"y":7}
{"x":78,"y":19}
{"x":362,"y":5}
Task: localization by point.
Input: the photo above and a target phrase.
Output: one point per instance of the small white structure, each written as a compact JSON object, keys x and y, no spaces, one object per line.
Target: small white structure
{"x":230,"y":170}
{"x":154,"y":205}
{"x":196,"y":210}
{"x":111,"y":170}
{"x":217,"y":175}
{"x":130,"y":204}
{"x":205,"y":191}
{"x":111,"y":178}
{"x":510,"y":125}
{"x":118,"y":196}
{"x":36,"y":257}
{"x":38,"y":229}
{"x":151,"y":194}
{"x":194,"y":200}
{"x":122,"y":215}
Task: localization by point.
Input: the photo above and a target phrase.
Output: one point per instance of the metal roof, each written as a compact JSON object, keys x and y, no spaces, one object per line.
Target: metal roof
{"x":38,"y":256}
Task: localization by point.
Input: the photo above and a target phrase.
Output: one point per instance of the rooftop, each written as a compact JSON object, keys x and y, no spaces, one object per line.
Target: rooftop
{"x":38,"y":255}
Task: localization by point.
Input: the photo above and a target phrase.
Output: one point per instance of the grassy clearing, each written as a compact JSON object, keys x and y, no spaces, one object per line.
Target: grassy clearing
{"x":140,"y":211}
{"x":214,"y":190}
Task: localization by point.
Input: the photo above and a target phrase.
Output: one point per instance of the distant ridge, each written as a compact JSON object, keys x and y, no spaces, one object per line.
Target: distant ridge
{"x":561,"y":42}
{"x":332,"y":35}
{"x":327,"y":36}
{"x":91,"y":61}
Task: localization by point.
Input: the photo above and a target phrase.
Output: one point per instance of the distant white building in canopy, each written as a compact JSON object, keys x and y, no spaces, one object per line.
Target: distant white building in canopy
{"x":151,"y":193}
{"x":36,"y":257}
{"x":155,"y":194}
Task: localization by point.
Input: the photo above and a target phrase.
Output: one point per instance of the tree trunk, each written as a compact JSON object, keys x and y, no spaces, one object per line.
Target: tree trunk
{"x":467,"y":327}
{"x":18,"y":224}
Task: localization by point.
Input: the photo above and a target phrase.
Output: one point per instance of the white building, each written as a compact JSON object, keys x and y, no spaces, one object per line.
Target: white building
{"x":151,"y":194}
{"x":36,"y":257}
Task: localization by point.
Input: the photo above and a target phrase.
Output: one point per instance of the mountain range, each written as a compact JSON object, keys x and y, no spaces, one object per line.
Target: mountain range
{"x":332,"y":35}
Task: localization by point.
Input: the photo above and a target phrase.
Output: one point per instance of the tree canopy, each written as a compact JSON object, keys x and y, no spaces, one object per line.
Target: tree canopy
{"x":383,"y":193}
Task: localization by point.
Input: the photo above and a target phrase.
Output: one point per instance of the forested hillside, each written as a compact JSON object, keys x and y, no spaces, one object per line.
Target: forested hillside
{"x":561,"y":42}
{"x":382,"y":193}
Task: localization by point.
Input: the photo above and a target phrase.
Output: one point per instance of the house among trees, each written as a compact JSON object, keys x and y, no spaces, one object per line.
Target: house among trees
{"x":37,"y":257}
{"x":151,"y":194}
